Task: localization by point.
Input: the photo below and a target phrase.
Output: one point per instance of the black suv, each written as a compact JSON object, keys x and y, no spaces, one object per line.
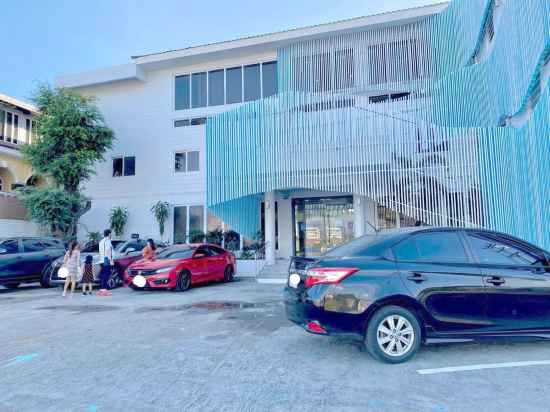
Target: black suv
{"x":22,"y":259}
{"x":398,"y":290}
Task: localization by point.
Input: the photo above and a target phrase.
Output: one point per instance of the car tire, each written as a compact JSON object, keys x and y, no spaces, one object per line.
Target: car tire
{"x":393,"y":334}
{"x":183,"y":282}
{"x":114,"y":280}
{"x":45,"y":278}
{"x":12,"y":285}
{"x":228,"y":274}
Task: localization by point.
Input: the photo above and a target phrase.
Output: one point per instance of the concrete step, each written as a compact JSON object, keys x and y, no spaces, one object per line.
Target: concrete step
{"x":277,"y":271}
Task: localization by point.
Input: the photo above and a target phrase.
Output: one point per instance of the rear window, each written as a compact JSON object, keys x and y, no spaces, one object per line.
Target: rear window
{"x":368,"y":245}
{"x":434,"y":247}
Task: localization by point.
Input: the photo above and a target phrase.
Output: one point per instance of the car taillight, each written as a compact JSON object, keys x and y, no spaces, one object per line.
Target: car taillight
{"x":327,"y":275}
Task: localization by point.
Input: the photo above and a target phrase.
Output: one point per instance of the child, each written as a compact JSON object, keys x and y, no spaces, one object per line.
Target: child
{"x":87,"y":275}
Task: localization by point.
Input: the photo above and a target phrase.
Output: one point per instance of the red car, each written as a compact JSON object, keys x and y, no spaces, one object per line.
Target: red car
{"x":180,"y":266}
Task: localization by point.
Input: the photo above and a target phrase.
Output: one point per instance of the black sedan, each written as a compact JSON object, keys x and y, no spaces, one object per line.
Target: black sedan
{"x":23,"y":259}
{"x":397,"y":290}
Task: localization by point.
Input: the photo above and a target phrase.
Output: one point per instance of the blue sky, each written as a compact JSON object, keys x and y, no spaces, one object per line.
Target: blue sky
{"x":52,"y":37}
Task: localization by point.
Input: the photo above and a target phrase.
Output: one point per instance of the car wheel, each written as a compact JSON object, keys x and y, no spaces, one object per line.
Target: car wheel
{"x":114,"y":280}
{"x":13,"y":285}
{"x":183,"y":282}
{"x":393,"y":334}
{"x":228,"y":274}
{"x":45,"y":278}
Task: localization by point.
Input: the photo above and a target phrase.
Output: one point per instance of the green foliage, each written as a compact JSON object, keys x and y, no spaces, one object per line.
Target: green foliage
{"x":232,"y":240}
{"x":196,"y":236}
{"x":214,"y":237}
{"x":72,"y":138}
{"x":52,"y":208}
{"x":254,"y":249}
{"x":161,"y":211}
{"x":118,"y":219}
{"x":94,"y":237}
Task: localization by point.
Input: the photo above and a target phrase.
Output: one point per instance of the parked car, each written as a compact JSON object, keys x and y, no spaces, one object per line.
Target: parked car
{"x":22,"y":259}
{"x":179,"y":267}
{"x":397,"y":290}
{"x":124,"y":253}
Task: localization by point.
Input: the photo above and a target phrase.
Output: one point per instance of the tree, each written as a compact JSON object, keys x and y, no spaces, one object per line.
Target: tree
{"x":161,"y":210}
{"x":73,"y":137}
{"x":118,"y":219}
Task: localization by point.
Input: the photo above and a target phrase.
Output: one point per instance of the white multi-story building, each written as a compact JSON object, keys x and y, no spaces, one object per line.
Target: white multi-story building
{"x":316,"y":135}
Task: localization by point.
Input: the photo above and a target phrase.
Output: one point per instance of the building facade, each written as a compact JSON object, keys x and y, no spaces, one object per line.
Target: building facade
{"x":437,"y":115}
{"x":17,"y":127}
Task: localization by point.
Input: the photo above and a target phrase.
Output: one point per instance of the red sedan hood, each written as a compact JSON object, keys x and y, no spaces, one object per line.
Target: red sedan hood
{"x":156,"y":264}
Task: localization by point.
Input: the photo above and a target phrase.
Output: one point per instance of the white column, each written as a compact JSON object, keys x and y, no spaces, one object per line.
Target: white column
{"x":270,"y":227}
{"x":359,"y":215}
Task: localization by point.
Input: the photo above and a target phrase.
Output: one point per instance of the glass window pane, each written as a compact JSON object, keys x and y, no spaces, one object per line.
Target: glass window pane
{"x":233,"y":86}
{"x":196,"y":218}
{"x":215,"y":88}
{"x":180,"y":224}
{"x":192,"y":161}
{"x":15,"y":128}
{"x":198,"y":121}
{"x":198,"y":89}
{"x":269,"y":78}
{"x":492,"y":251}
{"x":181,"y":123}
{"x":2,"y":120}
{"x":344,"y":69}
{"x":252,"y":86}
{"x":406,"y":250}
{"x":182,"y":92}
{"x":117,"y":167}
{"x":9,"y":123}
{"x":436,"y":247}
{"x":129,"y":166}
{"x":180,"y":163}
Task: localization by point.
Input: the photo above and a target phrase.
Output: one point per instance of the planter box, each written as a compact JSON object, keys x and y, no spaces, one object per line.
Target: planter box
{"x":249,"y":268}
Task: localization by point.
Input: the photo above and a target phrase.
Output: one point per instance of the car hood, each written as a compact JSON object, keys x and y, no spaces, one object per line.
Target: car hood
{"x":156,"y":264}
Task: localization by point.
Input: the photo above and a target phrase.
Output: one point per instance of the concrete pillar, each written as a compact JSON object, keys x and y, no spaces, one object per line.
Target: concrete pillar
{"x":269,"y":203}
{"x":359,"y":215}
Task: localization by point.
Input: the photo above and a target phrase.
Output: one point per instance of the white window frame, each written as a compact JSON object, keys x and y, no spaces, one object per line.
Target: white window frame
{"x":123,"y":161}
{"x":13,"y":128}
{"x":186,"y":151}
{"x":188,"y":219}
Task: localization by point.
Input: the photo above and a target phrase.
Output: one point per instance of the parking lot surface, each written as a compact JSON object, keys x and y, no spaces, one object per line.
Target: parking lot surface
{"x":229,"y":347}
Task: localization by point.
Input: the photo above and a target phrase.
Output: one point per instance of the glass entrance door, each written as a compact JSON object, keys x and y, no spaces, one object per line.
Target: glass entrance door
{"x":321,"y":224}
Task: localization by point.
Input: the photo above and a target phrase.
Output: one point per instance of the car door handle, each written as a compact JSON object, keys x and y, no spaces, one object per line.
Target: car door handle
{"x":417,"y":277}
{"x":495,"y":280}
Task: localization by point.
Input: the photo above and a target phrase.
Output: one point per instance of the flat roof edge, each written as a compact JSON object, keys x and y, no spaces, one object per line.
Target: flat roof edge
{"x":129,"y":71}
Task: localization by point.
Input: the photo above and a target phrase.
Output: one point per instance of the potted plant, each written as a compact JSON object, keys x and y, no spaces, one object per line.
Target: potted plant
{"x":161,"y":211}
{"x":118,"y":219}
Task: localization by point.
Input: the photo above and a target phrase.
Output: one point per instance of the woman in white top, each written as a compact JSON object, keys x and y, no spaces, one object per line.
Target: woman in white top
{"x":72,"y":263}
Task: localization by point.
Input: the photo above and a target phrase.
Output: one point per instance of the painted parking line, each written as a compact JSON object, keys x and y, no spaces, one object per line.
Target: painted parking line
{"x":272,"y":281}
{"x":482,"y":366}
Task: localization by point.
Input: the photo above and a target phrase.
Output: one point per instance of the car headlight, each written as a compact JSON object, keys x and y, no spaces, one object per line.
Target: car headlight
{"x":163,"y":270}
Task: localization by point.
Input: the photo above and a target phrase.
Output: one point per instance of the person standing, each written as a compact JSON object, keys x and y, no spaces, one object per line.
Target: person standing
{"x":72,"y":263}
{"x":87,"y":275}
{"x":106,"y":258}
{"x":148,"y":251}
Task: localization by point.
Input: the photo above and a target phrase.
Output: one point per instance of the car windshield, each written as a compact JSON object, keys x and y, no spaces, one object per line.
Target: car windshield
{"x":176,"y":253}
{"x":362,"y":246}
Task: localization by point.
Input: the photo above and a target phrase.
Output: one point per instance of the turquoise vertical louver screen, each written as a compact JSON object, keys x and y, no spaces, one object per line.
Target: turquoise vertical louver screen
{"x":445,"y":120}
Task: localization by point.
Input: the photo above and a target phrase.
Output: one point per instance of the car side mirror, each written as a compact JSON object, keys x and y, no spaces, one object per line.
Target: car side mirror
{"x":3,"y":250}
{"x":130,"y":250}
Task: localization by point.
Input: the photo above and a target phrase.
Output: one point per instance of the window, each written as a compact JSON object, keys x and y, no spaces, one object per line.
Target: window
{"x":2,"y":121}
{"x":180,"y":254}
{"x":196,"y":218}
{"x":180,"y":224}
{"x":234,"y":85}
{"x":182,"y":94}
{"x":28,"y":130}
{"x":32,"y":245}
{"x":124,"y":166}
{"x":188,"y":224}
{"x":198,"y":89}
{"x":10,"y":245}
{"x":269,"y":79}
{"x":491,"y":250}
{"x":437,"y":247}
{"x":15,"y":135}
{"x":252,"y":83}
{"x":188,"y":161}
{"x":196,"y":121}
{"x":216,"y":88}
{"x":9,"y":126}
{"x":344,"y":69}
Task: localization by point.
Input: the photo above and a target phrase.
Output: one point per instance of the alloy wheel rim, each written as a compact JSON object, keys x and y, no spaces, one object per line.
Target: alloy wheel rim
{"x":395,"y":335}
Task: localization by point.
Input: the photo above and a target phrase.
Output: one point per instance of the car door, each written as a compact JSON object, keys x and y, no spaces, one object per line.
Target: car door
{"x":517,"y":279}
{"x":10,"y":260}
{"x":35,"y":257}
{"x":217,"y":262}
{"x":199,"y":264}
{"x":439,"y":272}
